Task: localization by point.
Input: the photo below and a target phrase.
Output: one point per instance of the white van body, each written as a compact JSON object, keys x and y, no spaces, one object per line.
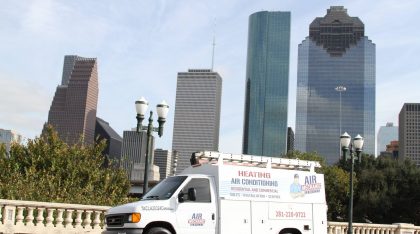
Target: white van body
{"x":230,"y":194}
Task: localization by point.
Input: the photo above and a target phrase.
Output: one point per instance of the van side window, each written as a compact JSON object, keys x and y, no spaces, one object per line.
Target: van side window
{"x":202,"y":187}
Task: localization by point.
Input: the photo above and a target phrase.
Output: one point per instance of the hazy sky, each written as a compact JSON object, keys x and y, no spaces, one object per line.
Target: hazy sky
{"x":141,"y":45}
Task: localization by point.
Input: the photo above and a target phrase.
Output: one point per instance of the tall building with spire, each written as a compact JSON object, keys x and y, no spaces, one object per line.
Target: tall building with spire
{"x":73,"y":109}
{"x":197,"y":114}
{"x":336,"y":53}
{"x":267,"y":84}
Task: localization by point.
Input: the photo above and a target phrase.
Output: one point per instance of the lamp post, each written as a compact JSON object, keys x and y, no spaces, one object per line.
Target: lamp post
{"x":340,"y":89}
{"x":345,"y":146}
{"x":162,"y":111}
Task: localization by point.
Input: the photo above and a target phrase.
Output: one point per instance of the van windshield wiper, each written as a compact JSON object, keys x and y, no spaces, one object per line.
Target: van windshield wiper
{"x":155,"y":197}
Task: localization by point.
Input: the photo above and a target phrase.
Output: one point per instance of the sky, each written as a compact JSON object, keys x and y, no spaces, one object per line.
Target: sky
{"x":142,"y":45}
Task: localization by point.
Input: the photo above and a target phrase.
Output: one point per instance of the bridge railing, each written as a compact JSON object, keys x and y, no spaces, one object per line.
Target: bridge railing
{"x":45,"y":217}
{"x":370,"y":228}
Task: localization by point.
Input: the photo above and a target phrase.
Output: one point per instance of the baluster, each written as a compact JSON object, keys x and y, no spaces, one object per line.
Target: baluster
{"x":78,"y":219}
{"x":97,"y":219}
{"x":30,"y":217}
{"x":19,"y":216}
{"x":40,"y":217}
{"x":49,"y":220}
{"x":87,"y":221}
{"x":59,"y":220}
{"x":68,"y":222}
{"x":1,"y":214}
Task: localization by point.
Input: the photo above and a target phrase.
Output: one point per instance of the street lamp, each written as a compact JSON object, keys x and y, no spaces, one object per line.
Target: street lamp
{"x":345,"y":146}
{"x":162,"y":111}
{"x":340,"y":89}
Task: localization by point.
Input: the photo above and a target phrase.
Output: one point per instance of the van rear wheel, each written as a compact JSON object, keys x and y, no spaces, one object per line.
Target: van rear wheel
{"x":158,"y":230}
{"x":290,"y":231}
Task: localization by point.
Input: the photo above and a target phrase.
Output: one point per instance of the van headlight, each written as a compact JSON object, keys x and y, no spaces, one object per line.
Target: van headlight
{"x":134,"y":217}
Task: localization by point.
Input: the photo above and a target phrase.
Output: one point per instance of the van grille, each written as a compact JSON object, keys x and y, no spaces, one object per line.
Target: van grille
{"x":115,"y":220}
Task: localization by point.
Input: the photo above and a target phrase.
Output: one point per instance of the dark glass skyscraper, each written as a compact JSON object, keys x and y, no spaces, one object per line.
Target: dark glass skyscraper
{"x":336,"y":53}
{"x":267,"y":83}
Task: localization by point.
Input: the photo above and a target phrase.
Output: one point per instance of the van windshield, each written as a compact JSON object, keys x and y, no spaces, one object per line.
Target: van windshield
{"x":164,"y":189}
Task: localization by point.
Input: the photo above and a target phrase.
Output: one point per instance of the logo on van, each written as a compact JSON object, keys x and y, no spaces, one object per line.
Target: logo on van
{"x":310,"y":186}
{"x":197,"y":220}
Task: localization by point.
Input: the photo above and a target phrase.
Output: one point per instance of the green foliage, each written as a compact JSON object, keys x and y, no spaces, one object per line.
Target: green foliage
{"x":388,"y":192}
{"x":312,"y":156}
{"x":337,"y":192}
{"x":47,"y":169}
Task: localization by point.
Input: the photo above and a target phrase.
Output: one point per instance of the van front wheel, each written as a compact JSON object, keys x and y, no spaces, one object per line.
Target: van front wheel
{"x":158,"y":230}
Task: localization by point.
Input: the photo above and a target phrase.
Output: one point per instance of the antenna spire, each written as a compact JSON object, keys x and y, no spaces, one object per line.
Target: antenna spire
{"x":214,"y":44}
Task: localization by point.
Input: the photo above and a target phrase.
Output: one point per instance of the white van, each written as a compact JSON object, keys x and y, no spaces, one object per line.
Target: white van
{"x":229,"y":194}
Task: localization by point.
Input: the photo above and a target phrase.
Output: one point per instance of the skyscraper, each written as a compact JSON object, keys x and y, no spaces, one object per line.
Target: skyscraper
{"x":73,"y":109}
{"x":113,"y":140}
{"x":164,"y":159}
{"x":386,"y":134}
{"x":409,"y":132}
{"x":197,"y":114}
{"x":336,"y":53}
{"x":267,"y":83}
{"x":133,"y":153}
{"x":8,"y":137}
{"x":290,"y":139}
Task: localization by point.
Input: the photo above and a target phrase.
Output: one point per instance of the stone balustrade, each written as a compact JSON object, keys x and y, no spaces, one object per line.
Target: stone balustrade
{"x":370,"y":228}
{"x":48,"y":218}
{"x":44,"y":217}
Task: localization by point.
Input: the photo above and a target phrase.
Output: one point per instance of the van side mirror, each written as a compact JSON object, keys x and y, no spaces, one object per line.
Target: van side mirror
{"x":181,"y":197}
{"x":192,"y":194}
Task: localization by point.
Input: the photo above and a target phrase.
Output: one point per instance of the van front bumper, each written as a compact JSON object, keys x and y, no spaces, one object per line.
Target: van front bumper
{"x":123,"y":231}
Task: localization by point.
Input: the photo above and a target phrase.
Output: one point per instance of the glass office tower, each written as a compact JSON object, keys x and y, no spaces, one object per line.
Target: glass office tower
{"x":267,"y":83}
{"x":336,"y":53}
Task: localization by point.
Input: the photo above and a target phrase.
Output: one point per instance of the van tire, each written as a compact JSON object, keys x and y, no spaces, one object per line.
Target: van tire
{"x":290,"y":231}
{"x":158,"y":230}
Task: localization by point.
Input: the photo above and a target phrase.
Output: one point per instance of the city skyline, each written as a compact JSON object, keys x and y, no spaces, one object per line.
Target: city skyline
{"x":129,"y":55}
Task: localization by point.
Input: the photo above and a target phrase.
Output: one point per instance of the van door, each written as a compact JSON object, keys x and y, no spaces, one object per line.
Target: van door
{"x":259,"y":220}
{"x":196,"y":215}
{"x":235,"y":217}
{"x":319,"y":218}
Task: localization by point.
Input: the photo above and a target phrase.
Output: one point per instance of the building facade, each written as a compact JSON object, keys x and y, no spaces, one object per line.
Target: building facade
{"x":290,"y":139}
{"x":165,"y":160}
{"x":409,"y":132}
{"x":267,"y":84}
{"x":386,"y":134}
{"x":73,"y":109}
{"x":8,"y":137}
{"x":336,"y":53}
{"x":103,"y":131}
{"x":197,"y":114}
{"x":392,"y":149}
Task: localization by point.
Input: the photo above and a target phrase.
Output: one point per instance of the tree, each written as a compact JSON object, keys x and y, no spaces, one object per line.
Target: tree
{"x":337,"y":192}
{"x":388,"y":191}
{"x":47,"y":169}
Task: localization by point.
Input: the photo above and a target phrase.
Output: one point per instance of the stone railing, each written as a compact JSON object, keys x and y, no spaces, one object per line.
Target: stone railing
{"x":370,"y":228}
{"x":44,"y":217}
{"x":50,"y":218}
